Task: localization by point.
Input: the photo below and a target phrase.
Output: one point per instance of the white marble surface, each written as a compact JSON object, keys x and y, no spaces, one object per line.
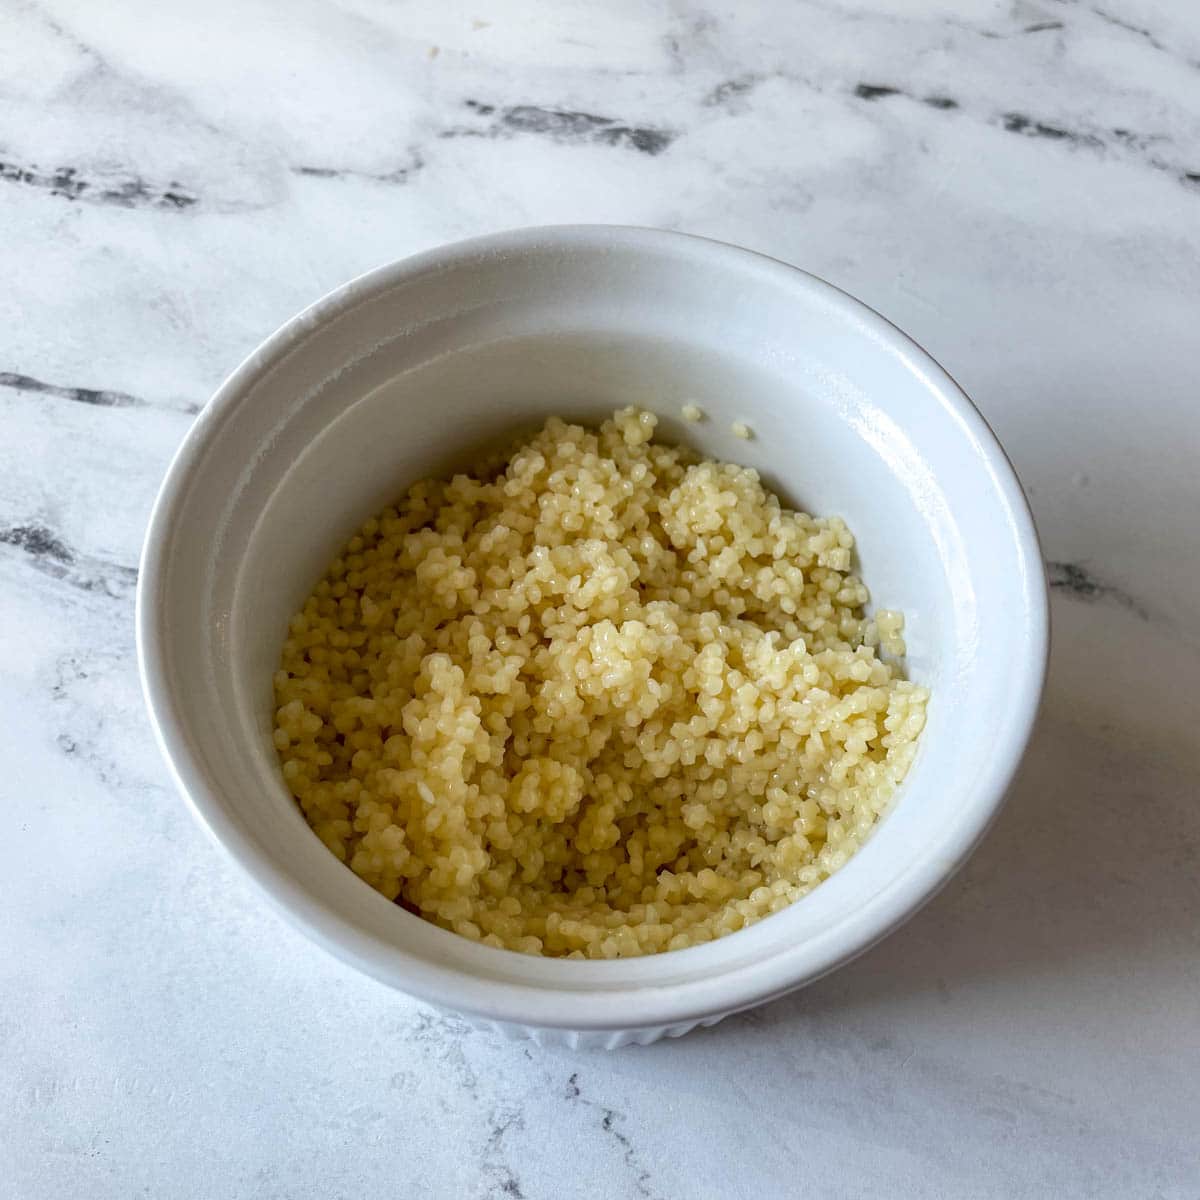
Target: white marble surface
{"x":1024,"y":197}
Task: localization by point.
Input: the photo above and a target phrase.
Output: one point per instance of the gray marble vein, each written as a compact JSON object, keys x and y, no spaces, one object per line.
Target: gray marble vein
{"x":1015,"y":183}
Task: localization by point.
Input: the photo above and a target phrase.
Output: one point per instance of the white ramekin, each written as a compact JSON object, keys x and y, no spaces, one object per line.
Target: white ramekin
{"x":415,"y":367}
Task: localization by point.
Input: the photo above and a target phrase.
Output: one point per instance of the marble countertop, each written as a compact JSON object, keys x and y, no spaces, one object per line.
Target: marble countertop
{"x":1017,"y":185}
